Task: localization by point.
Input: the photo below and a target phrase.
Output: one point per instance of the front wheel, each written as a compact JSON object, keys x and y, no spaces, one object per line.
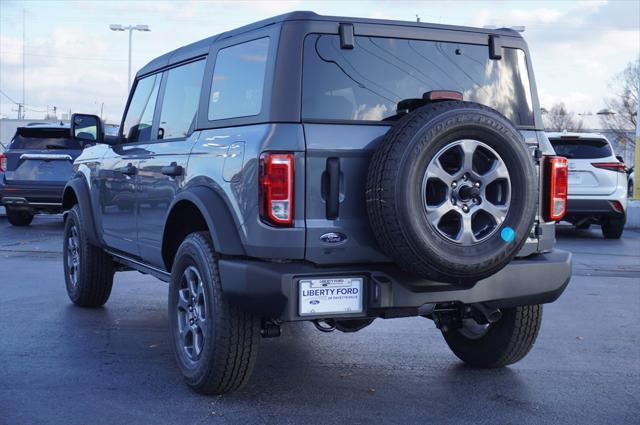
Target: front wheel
{"x":498,"y":344}
{"x":214,"y":341}
{"x":88,"y":270}
{"x":19,"y":218}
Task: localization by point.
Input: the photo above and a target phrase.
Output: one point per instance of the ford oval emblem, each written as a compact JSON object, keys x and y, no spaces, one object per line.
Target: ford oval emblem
{"x":314,"y":302}
{"x":333,"y":238}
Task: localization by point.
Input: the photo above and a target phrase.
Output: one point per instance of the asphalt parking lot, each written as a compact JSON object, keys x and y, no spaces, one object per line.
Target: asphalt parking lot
{"x":60,"y":364}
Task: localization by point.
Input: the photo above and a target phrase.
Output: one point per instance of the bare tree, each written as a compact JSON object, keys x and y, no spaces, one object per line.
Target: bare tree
{"x":621,"y":118}
{"x":559,"y":118}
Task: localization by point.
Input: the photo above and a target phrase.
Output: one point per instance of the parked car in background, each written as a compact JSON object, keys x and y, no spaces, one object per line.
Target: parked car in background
{"x":597,"y":182}
{"x":631,"y":183}
{"x":34,"y":169}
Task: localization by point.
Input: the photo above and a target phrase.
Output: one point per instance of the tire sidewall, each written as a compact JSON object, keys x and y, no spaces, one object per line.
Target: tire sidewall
{"x":191,"y":253}
{"x":496,"y":132}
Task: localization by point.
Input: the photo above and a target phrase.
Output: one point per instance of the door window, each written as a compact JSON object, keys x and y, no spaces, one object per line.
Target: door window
{"x":139,"y":119}
{"x":238,"y":80}
{"x":180,"y":101}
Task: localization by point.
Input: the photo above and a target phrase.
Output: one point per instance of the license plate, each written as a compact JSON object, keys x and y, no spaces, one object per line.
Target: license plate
{"x":330,"y":296}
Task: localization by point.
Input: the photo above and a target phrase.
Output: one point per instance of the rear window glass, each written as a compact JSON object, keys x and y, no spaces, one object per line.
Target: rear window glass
{"x":368,"y":81}
{"x":44,"y":138}
{"x":581,"y":148}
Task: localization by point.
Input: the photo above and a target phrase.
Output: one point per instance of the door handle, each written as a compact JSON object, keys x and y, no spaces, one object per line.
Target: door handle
{"x":172,"y":170}
{"x":129,"y":170}
{"x":333,"y":188}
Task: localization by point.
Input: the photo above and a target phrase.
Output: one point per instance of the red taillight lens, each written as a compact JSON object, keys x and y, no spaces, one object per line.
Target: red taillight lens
{"x":612,"y":166}
{"x":3,"y":162}
{"x":555,"y":178}
{"x":276,"y":188}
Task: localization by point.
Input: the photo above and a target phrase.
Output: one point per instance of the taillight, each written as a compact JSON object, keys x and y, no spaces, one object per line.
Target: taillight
{"x":276,"y":188}
{"x":611,"y":166}
{"x":555,"y":183}
{"x":3,"y":162}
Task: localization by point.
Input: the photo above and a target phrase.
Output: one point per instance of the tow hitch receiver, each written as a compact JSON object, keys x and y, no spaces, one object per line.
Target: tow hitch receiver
{"x":451,"y":316}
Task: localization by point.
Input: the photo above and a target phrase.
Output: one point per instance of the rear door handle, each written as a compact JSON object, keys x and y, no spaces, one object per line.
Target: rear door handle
{"x":333,"y":189}
{"x":129,"y":170}
{"x":172,"y":170}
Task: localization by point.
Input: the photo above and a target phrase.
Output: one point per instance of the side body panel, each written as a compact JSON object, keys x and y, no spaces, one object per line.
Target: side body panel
{"x":214,"y":163}
{"x":116,"y":198}
{"x":156,"y":191}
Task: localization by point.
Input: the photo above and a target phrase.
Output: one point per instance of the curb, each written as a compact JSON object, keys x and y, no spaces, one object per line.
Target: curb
{"x":633,"y":215}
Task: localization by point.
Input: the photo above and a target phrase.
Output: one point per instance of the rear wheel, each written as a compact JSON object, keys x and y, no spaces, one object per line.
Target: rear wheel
{"x":498,"y":344}
{"x":88,"y":270}
{"x":612,"y":228}
{"x":214,"y":341}
{"x":19,"y":217}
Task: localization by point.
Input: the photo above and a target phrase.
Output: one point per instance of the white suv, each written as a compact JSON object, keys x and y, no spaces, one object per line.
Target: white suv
{"x":597,"y":191}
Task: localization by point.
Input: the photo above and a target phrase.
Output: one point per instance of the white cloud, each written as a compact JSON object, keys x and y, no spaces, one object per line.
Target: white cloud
{"x":11,"y":50}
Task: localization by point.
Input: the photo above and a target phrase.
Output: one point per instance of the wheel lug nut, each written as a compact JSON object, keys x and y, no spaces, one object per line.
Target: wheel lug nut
{"x":190,"y":308}
{"x":454,"y":184}
{"x":191,"y":321}
{"x":465,"y":177}
{"x":465,"y":208}
{"x":477,"y":184}
{"x":453,"y":201}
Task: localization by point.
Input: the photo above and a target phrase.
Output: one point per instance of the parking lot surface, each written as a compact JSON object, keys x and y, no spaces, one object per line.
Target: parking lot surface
{"x":61,"y":364}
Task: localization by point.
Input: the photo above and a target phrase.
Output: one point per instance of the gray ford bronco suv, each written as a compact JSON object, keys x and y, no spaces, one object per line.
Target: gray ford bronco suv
{"x":326,"y":169}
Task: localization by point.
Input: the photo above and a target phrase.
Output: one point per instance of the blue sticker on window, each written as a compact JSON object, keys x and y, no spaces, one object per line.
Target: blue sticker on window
{"x":508,"y":234}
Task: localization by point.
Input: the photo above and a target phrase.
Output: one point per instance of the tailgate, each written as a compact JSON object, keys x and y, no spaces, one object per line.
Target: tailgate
{"x":44,"y":167}
{"x":336,"y":218}
{"x":585,"y":179}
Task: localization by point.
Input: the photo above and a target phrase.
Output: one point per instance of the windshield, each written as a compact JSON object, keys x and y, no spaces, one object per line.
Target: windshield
{"x":368,"y":81}
{"x":581,"y":148}
{"x":43,"y":139}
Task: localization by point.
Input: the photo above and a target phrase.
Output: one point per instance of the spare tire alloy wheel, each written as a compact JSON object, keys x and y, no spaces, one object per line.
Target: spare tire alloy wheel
{"x":467,"y":191}
{"x":452,"y":192}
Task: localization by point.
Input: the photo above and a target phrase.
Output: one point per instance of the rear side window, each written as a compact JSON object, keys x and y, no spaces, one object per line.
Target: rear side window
{"x":367,"y":82}
{"x":139,"y":120}
{"x":44,"y":138}
{"x":238,"y":80}
{"x":582,"y":148}
{"x":180,"y":101}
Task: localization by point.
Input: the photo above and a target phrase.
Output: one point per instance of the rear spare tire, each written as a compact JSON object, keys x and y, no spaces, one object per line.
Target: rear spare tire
{"x":452,"y":192}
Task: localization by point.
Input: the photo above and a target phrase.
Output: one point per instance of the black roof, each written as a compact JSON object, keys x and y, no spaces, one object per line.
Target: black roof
{"x":202,"y":47}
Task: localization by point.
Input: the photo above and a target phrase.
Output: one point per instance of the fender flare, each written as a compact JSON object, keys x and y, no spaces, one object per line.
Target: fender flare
{"x":77,"y":187}
{"x":214,"y":210}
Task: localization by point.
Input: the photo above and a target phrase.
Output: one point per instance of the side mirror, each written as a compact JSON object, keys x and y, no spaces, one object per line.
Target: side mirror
{"x":620,"y":158}
{"x":87,"y":128}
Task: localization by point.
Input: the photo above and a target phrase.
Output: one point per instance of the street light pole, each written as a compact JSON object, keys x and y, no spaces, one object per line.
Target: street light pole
{"x":130,"y":28}
{"x":130,"y":39}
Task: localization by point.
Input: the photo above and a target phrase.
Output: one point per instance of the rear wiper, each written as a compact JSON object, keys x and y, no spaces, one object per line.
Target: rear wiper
{"x":56,"y":147}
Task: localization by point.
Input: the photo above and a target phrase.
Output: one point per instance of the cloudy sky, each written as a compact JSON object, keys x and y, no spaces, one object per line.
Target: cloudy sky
{"x":74,"y":62}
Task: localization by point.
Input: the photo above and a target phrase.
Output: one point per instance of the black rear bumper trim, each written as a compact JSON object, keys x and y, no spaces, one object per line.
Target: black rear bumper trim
{"x":271,"y":289}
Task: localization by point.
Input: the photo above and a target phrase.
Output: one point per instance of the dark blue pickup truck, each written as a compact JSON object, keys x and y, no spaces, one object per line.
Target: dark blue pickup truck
{"x":34,"y":170}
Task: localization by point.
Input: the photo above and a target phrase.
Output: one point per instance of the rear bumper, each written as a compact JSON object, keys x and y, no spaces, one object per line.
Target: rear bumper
{"x":32,"y":197}
{"x":594,"y":207}
{"x":271,"y":289}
